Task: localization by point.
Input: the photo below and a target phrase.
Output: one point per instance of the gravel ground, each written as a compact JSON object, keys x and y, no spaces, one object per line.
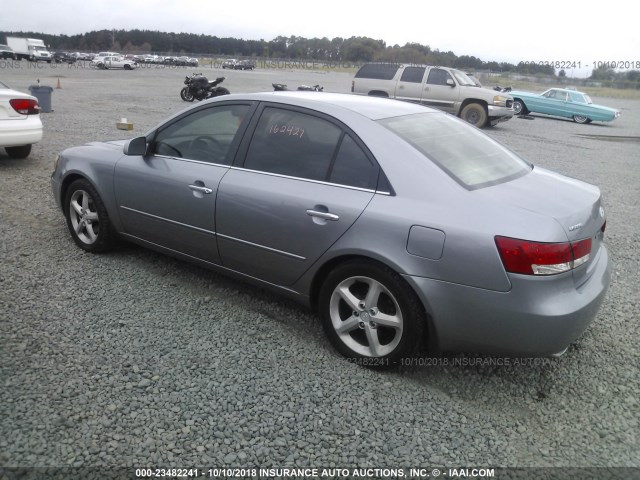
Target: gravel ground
{"x":135,"y":359}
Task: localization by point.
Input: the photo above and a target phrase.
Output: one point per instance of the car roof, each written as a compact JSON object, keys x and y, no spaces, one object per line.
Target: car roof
{"x":374,"y":108}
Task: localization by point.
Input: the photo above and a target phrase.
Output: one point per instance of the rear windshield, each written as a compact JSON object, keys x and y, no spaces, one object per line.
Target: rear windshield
{"x":469,"y":156}
{"x":378,"y":71}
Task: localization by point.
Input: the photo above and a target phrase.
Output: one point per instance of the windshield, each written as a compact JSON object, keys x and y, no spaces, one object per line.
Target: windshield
{"x":463,"y":79}
{"x":469,"y":156}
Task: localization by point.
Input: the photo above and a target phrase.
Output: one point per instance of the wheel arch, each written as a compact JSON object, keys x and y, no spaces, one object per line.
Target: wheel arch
{"x":468,"y":101}
{"x":378,"y":93}
{"x":321,"y":274}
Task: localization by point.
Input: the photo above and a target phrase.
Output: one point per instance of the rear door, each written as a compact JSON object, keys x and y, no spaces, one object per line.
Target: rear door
{"x":411,"y":83}
{"x":168,"y":197}
{"x":303,"y":182}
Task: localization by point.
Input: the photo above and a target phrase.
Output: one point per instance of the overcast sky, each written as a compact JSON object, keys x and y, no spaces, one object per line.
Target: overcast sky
{"x":509,"y":31}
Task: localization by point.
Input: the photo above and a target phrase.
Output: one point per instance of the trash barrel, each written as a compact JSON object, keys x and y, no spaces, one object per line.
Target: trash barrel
{"x":43,"y":94}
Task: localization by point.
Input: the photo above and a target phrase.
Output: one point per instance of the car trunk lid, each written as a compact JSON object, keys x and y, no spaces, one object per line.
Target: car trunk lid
{"x":575,"y":205}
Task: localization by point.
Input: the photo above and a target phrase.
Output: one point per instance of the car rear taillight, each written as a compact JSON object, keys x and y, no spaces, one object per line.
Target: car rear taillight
{"x":25,"y":106}
{"x":534,"y":258}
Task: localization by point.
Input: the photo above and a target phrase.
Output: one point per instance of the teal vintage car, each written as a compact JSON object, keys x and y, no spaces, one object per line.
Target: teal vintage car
{"x":562,"y":102}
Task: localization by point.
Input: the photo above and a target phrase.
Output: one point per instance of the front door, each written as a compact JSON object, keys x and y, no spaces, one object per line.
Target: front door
{"x":168,"y":197}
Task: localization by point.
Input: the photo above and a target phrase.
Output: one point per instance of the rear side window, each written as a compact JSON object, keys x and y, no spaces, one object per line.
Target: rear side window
{"x":378,"y":71}
{"x":413,"y":74}
{"x":352,"y":166}
{"x":469,"y":156}
{"x":293,"y":143}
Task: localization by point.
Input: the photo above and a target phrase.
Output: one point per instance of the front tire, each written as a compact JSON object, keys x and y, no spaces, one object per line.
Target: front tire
{"x":186,"y":94}
{"x":475,"y":114}
{"x":18,"y":152}
{"x":519,"y":107}
{"x":370,"y":314}
{"x":581,"y":119}
{"x":87,"y":218}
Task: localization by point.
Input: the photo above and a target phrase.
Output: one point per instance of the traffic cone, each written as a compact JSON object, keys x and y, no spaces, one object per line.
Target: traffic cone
{"x":58,"y":84}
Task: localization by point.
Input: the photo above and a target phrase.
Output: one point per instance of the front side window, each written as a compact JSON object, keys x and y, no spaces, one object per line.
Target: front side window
{"x":205,"y":135}
{"x":438,"y":76}
{"x":292,"y":143}
{"x":467,"y":155}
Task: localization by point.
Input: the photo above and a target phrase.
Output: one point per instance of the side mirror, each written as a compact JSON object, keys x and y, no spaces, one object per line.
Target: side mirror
{"x":450,"y":82}
{"x":136,"y":147}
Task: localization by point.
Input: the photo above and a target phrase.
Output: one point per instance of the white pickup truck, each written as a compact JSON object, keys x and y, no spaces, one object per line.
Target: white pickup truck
{"x":444,"y":88}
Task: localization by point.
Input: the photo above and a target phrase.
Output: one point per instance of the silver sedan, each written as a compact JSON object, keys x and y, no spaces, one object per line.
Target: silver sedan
{"x":402,"y":225}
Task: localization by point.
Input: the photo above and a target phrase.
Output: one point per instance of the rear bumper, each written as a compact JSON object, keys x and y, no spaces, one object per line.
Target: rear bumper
{"x":537,"y":317}
{"x":20,"y":131}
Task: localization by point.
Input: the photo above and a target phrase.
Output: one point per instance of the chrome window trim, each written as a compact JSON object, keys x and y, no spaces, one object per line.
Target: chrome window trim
{"x":309,"y":180}
{"x":201,"y":162}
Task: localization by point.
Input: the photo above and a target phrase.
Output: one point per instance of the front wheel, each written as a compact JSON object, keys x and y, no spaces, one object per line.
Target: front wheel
{"x":581,"y":119}
{"x":519,"y":108}
{"x":475,"y":114}
{"x":370,"y":314}
{"x":18,"y":152}
{"x":186,"y":95}
{"x":87,"y":218}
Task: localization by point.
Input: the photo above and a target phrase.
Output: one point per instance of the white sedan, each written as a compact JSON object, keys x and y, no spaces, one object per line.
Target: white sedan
{"x":20,"y":125}
{"x":114,"y":62}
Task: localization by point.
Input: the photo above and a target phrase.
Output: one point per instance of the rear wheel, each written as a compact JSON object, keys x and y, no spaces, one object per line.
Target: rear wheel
{"x":370,"y":315}
{"x":220,"y":91}
{"x":87,"y":218}
{"x":18,"y":152}
{"x":475,"y":114}
{"x":580,"y":119}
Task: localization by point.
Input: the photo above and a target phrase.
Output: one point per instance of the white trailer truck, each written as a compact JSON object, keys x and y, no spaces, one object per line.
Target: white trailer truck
{"x":32,"y":49}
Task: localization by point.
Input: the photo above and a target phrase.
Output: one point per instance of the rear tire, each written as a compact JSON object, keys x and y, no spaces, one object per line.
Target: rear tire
{"x":370,"y":315}
{"x":220,"y":91}
{"x":18,"y":152}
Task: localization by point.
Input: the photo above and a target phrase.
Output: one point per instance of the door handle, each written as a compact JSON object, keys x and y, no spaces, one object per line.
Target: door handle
{"x":324,"y":215}
{"x":201,"y":189}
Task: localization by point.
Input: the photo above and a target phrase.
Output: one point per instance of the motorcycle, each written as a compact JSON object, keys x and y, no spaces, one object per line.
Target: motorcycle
{"x":281,"y":87}
{"x":198,"y":87}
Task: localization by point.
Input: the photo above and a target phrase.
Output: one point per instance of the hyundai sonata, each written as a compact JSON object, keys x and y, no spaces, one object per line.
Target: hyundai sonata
{"x":402,"y":225}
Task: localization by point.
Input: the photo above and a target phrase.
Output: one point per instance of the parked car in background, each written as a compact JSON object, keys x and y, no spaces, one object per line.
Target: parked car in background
{"x":401,"y":224}
{"x":7,"y":53}
{"x":64,"y":57}
{"x":562,"y":102}
{"x":109,"y":62}
{"x":444,"y":88}
{"x":230,"y":63}
{"x":245,"y":65}
{"x":20,"y":124}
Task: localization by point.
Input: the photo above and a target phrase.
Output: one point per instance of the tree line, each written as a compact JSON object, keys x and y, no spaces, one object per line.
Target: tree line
{"x":338,"y":49}
{"x":352,"y":50}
